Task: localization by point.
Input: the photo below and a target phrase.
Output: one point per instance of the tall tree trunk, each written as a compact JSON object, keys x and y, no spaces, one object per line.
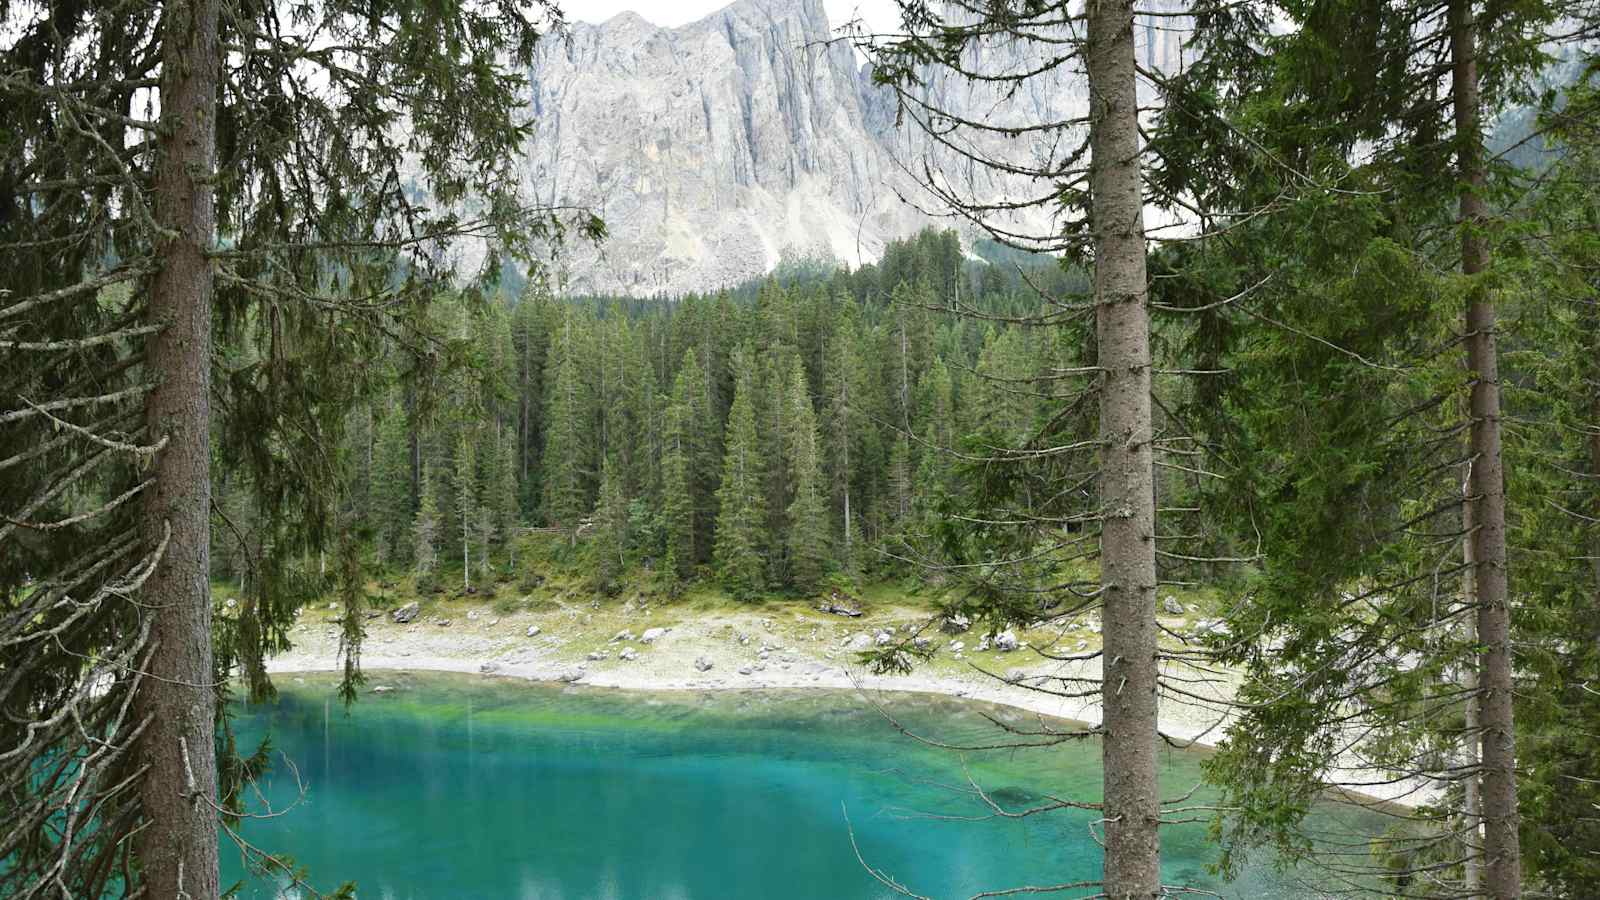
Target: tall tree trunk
{"x":1592,"y":374}
{"x":413,"y":446}
{"x":844,"y":431}
{"x":1472,"y":787}
{"x":1128,"y":571}
{"x":178,"y":839}
{"x":1502,"y":876}
{"x":1594,"y":529}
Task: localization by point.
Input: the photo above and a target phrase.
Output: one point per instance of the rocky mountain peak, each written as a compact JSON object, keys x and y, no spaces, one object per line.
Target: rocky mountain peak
{"x":719,"y":148}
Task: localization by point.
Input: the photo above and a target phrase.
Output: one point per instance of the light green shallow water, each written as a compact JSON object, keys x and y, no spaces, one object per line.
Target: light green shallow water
{"x":464,"y":787}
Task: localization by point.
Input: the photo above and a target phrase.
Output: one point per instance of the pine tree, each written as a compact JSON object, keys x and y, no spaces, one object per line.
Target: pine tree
{"x":357,"y":453}
{"x":807,"y":539}
{"x":1127,"y":469}
{"x":943,"y":40}
{"x":502,"y":497}
{"x":639,"y":416}
{"x":425,"y":535}
{"x":677,"y":485}
{"x":611,"y":529}
{"x":696,"y":436}
{"x":708,"y":410}
{"x":1557,"y":305}
{"x":938,"y":417}
{"x":1431,"y":77}
{"x":842,"y":424}
{"x":569,"y":438}
{"x":741,"y":532}
{"x":938,"y":411}
{"x":179,"y":846}
{"x":931,"y":480}
{"x":772,"y":411}
{"x":466,"y":500}
{"x":530,"y":338}
{"x":1004,"y":398}
{"x":391,"y":488}
{"x":227,"y":241}
{"x":900,"y":485}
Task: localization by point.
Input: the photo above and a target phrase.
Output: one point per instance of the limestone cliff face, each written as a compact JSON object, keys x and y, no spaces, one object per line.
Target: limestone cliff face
{"x":717,"y":149}
{"x":712,"y":150}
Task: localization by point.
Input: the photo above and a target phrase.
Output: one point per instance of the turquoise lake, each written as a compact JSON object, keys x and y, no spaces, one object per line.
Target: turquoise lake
{"x":464,"y":787}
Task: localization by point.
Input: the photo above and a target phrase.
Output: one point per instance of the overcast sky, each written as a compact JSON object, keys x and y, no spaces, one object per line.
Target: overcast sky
{"x":880,"y":15}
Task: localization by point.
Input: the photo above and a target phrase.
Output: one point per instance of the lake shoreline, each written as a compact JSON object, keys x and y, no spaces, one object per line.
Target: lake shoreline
{"x":749,"y":651}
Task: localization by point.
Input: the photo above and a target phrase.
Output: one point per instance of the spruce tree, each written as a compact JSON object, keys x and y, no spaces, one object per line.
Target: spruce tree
{"x":466,"y":500}
{"x":425,"y":535}
{"x":677,"y":485}
{"x":1127,"y":470}
{"x":261,"y":209}
{"x":391,"y":488}
{"x":530,"y":338}
{"x":708,"y":411}
{"x":179,"y":845}
{"x":611,"y":529}
{"x":696,"y":435}
{"x":842,"y":424}
{"x":1106,"y":220}
{"x":569,"y":435}
{"x":502,"y":496}
{"x":1431,"y":77}
{"x":899,"y":477}
{"x":772,"y":412}
{"x":741,"y":534}
{"x":640,"y":416}
{"x":807,"y":538}
{"x":1556,"y":359}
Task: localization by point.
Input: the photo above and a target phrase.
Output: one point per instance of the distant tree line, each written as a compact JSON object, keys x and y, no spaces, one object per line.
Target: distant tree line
{"x":766,"y":436}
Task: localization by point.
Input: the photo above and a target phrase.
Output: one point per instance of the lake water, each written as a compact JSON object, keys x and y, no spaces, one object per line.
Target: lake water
{"x":464,"y":787}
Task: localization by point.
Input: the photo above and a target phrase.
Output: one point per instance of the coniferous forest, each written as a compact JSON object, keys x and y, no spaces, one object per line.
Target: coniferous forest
{"x":1254,"y":405}
{"x":763,"y":438}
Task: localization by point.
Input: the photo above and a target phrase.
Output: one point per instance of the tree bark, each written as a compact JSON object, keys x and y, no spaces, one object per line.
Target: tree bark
{"x":1592,"y":374}
{"x":1471,"y":788}
{"x":1594,"y":528}
{"x":1132,"y":800}
{"x":176,"y":700}
{"x":1502,"y":870}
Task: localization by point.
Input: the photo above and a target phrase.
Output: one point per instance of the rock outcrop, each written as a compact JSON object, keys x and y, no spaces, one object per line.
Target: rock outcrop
{"x":717,"y":150}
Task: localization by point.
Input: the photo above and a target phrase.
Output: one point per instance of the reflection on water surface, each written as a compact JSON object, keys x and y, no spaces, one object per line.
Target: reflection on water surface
{"x":453,"y":786}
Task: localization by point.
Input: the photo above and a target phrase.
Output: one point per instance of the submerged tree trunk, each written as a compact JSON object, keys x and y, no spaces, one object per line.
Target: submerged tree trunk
{"x":1132,"y":800}
{"x":1502,"y":871}
{"x":177,"y":842}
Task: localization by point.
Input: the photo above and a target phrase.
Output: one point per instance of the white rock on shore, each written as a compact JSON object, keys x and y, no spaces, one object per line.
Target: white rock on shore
{"x":700,"y":645}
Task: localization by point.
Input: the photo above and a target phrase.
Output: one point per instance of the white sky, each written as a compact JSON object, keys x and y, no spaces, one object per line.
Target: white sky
{"x":880,"y":15}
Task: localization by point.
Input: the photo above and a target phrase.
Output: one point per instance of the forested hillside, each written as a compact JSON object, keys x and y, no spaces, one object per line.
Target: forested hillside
{"x":766,"y":437}
{"x":1281,"y":325}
